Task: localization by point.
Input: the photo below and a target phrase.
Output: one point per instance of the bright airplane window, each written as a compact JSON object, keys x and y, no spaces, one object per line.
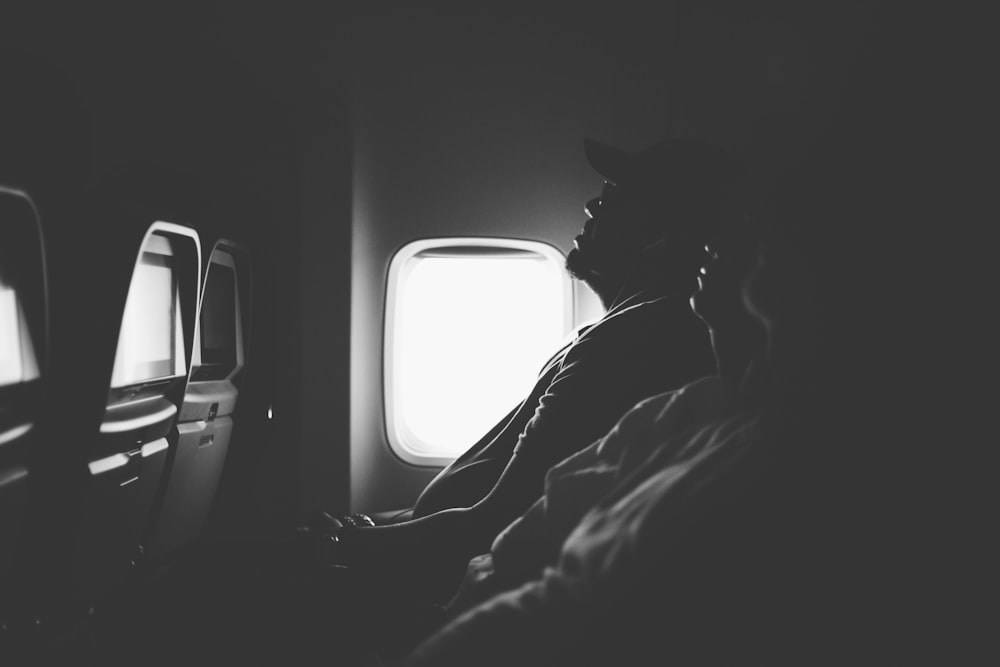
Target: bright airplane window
{"x":469,"y":323}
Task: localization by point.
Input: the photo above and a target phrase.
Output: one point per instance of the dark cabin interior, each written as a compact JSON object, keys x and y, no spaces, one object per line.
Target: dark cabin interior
{"x":322,"y":136}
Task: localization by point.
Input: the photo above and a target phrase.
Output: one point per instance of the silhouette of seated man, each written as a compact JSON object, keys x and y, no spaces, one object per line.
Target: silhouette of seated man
{"x":708,"y":526}
{"x":639,"y":251}
{"x":531,"y":543}
{"x":575,"y":485}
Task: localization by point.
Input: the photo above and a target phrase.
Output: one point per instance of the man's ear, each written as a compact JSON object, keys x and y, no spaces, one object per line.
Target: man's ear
{"x":655,"y":250}
{"x":665,"y":253}
{"x":671,"y":261}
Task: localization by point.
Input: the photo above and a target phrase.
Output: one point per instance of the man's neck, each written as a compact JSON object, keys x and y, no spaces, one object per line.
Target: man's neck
{"x":735,"y":350}
{"x":632,"y":296}
{"x":634,"y":288}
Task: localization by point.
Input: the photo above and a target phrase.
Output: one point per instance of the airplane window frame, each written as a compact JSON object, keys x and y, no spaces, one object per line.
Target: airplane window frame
{"x":400,"y":441}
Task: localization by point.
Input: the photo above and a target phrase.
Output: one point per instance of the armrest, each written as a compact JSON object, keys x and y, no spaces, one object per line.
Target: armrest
{"x":392,"y":516}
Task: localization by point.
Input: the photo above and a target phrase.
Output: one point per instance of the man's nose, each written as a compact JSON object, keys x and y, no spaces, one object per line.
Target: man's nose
{"x":592,"y":206}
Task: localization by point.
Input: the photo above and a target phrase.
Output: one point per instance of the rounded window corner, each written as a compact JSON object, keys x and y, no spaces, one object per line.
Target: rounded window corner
{"x":448,"y":300}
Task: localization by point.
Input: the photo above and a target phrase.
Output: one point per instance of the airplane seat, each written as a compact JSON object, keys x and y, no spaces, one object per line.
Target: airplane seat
{"x":391,"y":516}
{"x":23,"y":361}
{"x":124,"y":285}
{"x":128,"y":457}
{"x":205,"y":425}
{"x":45,"y":161}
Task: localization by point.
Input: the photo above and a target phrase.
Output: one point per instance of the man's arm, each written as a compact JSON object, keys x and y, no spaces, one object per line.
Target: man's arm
{"x":609,"y":370}
{"x":603,"y":377}
{"x":582,"y":403}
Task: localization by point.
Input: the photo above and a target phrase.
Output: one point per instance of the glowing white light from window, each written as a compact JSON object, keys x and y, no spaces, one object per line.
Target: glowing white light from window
{"x":150,"y":343}
{"x":470,"y":335}
{"x":17,"y":354}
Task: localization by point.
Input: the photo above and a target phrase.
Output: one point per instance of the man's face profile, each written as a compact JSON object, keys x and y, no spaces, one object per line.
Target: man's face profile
{"x":609,"y":234}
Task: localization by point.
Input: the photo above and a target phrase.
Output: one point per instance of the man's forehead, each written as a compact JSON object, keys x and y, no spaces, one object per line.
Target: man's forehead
{"x":609,"y":189}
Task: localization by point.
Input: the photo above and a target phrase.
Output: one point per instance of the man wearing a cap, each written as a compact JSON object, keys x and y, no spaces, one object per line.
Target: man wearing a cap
{"x":524,"y":587}
{"x":640,"y":251}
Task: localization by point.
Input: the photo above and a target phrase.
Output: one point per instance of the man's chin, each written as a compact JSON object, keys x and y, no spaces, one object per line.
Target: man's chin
{"x":579,"y":267}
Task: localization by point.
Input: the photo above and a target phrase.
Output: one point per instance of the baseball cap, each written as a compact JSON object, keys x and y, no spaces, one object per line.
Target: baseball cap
{"x":684,"y":176}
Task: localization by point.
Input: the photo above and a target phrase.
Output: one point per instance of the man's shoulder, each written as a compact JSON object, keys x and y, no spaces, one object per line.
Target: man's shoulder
{"x":663,"y":316}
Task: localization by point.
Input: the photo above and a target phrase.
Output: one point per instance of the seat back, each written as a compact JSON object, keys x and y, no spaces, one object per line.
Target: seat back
{"x":23,"y":357}
{"x":126,"y":459}
{"x":205,"y":424}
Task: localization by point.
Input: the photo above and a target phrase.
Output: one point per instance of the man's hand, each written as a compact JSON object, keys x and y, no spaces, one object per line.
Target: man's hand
{"x":326,"y":523}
